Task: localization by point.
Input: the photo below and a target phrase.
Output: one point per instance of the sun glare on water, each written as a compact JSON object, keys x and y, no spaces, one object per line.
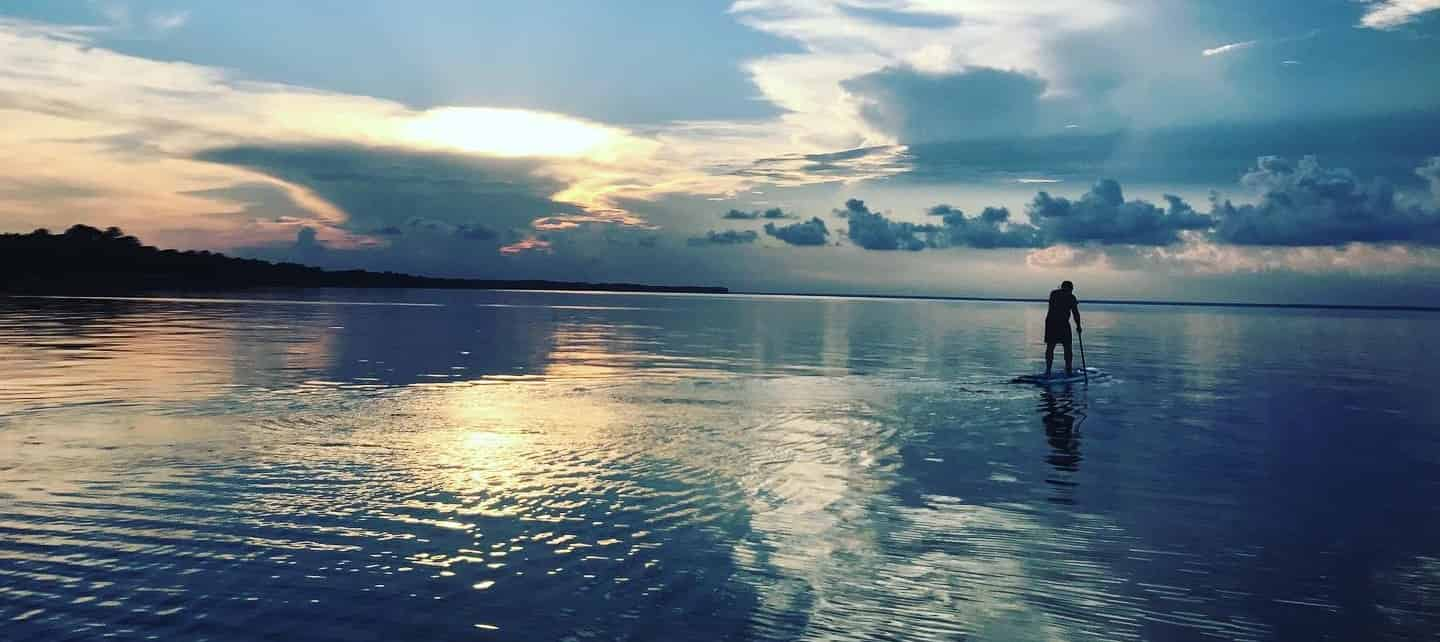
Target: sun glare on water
{"x":508,"y":132}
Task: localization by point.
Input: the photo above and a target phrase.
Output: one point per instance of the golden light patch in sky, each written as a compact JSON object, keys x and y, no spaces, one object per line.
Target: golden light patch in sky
{"x":526,"y":245}
{"x":507,"y":132}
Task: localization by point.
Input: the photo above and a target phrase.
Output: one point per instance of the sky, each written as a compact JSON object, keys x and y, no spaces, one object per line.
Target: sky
{"x":1285,"y":151}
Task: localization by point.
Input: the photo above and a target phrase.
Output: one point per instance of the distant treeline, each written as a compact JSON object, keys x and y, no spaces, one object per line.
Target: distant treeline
{"x":87,"y":260}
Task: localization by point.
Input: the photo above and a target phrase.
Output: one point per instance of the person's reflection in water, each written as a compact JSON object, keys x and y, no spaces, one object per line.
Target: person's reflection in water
{"x":1062,"y":430}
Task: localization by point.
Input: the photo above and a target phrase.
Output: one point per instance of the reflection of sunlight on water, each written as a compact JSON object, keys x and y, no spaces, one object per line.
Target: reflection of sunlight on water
{"x":133,"y":352}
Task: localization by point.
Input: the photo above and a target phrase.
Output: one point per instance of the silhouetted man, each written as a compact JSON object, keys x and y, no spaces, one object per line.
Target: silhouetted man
{"x":1057,"y":324}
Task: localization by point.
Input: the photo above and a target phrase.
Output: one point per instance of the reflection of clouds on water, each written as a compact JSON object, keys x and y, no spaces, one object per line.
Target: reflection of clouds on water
{"x":835,"y":553}
{"x":134,"y":352}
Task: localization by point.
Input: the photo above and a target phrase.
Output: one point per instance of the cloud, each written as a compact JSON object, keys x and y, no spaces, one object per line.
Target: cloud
{"x":846,"y":165}
{"x":1430,"y":171}
{"x":727,"y":237}
{"x":1304,"y":204}
{"x":977,"y":102}
{"x":1211,"y":154}
{"x":379,"y":187}
{"x":1234,"y":46}
{"x":1199,"y":256}
{"x":277,"y":208}
{"x":772,"y":213}
{"x":811,"y":232}
{"x":1268,"y":43}
{"x":306,"y":238}
{"x":1389,"y":14}
{"x":475,"y":232}
{"x":163,"y":21}
{"x":903,"y":19}
{"x":872,"y":231}
{"x":606,"y":216}
{"x":991,"y":229}
{"x":1307,"y":218}
{"x":1103,"y":215}
{"x":526,"y":245}
{"x":839,"y":43}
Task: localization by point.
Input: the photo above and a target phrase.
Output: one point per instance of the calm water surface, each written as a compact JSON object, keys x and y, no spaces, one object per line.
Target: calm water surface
{"x":524,"y":466}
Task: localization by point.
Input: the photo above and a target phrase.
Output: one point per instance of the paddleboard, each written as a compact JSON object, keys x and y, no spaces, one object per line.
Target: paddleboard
{"x":1059,"y":377}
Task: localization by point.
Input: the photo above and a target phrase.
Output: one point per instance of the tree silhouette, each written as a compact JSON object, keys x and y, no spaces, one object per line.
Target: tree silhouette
{"x":88,"y":260}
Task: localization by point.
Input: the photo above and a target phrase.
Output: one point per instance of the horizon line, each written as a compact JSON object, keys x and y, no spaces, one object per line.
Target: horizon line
{"x":997,"y":299}
{"x":178,"y":296}
{"x":1218,"y":304}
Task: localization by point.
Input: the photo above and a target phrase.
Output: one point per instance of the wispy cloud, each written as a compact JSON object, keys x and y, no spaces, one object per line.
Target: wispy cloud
{"x":162,"y":21}
{"x":127,"y":22}
{"x":1389,"y":14}
{"x":1234,"y":46}
{"x":526,"y":245}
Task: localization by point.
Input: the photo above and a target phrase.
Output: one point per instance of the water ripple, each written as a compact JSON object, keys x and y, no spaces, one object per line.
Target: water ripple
{"x":520,"y":467}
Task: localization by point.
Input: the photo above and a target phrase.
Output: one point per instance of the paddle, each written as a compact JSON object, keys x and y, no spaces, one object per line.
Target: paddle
{"x":1080,"y":334}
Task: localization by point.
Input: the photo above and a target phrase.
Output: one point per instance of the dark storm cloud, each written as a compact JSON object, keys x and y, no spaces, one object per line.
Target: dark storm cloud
{"x":811,"y":232}
{"x":772,"y":213}
{"x":1305,"y":204}
{"x":991,"y":229}
{"x":380,"y":187}
{"x":436,"y":227}
{"x":852,"y":206}
{"x":1102,"y":215}
{"x":874,"y":231}
{"x":255,"y":200}
{"x":306,"y":238}
{"x":979,"y":102}
{"x":727,"y":237}
{"x":1212,"y":154}
{"x":1300,"y":204}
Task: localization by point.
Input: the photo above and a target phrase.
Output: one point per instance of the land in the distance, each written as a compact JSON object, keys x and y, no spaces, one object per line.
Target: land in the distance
{"x":88,"y":260}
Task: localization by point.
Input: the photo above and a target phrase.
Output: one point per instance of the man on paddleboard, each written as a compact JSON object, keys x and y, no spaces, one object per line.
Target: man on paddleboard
{"x":1057,"y":324}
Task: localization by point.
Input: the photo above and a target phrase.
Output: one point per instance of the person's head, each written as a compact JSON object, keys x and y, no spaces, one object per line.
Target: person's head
{"x":1067,"y":286}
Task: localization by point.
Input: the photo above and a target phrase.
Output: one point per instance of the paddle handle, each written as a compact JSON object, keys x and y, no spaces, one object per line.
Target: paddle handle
{"x":1080,"y":334}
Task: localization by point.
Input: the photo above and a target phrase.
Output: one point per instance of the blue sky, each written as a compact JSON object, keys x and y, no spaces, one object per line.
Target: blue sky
{"x":608,"y":141}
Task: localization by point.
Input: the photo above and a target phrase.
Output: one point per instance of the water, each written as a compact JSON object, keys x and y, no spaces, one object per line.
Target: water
{"x":524,"y":466}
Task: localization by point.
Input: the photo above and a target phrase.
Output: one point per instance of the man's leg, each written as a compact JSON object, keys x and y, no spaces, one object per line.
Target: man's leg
{"x":1049,"y":356}
{"x":1068,"y":367}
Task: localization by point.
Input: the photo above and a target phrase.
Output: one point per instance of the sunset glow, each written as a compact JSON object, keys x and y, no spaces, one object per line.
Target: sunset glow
{"x":507,"y":132}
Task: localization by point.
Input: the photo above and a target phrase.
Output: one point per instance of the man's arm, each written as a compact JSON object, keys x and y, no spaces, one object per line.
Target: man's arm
{"x":1075,"y":309}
